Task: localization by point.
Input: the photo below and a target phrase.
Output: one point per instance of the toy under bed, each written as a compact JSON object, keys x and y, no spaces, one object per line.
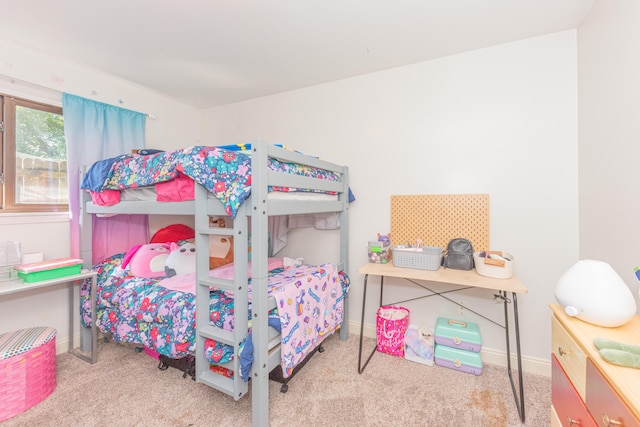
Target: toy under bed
{"x":142,"y":311}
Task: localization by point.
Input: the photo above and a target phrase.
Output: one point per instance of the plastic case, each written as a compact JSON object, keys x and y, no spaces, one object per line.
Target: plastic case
{"x":378,"y":252}
{"x":50,"y":269}
{"x":458,"y":334}
{"x":460,"y":360}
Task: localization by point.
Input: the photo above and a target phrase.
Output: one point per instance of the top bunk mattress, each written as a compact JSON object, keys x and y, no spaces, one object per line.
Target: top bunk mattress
{"x":225,"y":173}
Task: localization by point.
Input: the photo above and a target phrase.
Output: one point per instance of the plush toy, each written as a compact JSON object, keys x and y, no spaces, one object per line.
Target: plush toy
{"x":385,"y":239}
{"x":181,"y":260}
{"x":419,"y":343}
{"x":618,"y":353}
{"x":146,"y":260}
{"x":220,"y":250}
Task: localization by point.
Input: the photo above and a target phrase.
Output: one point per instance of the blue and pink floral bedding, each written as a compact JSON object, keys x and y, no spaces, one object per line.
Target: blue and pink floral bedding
{"x":139,"y":310}
{"x":224,"y":172}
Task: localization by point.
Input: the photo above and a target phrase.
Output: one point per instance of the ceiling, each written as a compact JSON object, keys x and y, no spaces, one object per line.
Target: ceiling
{"x":206,"y":53}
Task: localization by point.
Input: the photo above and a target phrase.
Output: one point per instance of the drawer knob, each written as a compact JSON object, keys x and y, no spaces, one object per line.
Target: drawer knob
{"x":572,"y":422}
{"x":609,"y":422}
{"x":563,"y":352}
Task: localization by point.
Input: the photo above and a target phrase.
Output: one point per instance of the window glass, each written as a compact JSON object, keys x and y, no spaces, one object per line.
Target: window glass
{"x":35,"y":160}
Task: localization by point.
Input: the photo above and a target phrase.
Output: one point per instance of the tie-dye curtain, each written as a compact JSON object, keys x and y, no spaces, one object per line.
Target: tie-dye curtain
{"x":96,"y":131}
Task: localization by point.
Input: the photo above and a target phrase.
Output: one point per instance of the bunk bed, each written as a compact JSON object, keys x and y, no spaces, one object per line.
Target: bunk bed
{"x":250,"y":218}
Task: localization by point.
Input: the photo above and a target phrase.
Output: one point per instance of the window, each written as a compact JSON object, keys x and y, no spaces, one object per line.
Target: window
{"x":33,"y":172}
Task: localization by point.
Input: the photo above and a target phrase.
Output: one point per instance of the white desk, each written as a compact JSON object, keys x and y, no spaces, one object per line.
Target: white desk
{"x":15,"y":286}
{"x":466,"y":280}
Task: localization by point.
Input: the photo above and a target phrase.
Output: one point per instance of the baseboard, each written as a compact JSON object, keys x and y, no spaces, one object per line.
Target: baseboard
{"x":530,"y":365}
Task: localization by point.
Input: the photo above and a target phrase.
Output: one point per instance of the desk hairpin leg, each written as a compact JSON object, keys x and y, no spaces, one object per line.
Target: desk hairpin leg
{"x":519,"y":400}
{"x":364,"y":303}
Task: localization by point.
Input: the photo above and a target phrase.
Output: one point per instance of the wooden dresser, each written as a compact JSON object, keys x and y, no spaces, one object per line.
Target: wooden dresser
{"x":586,"y":389}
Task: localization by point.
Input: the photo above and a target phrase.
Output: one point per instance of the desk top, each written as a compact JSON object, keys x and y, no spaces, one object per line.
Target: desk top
{"x":13,"y":286}
{"x":446,"y":275}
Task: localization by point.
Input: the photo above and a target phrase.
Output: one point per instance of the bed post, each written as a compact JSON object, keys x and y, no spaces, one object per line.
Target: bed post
{"x":344,"y":248}
{"x":259,"y":283}
{"x":86,"y":253}
{"x":86,"y":227}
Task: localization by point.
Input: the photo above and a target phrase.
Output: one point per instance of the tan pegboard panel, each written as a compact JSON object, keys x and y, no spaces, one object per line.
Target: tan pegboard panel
{"x":438,"y":218}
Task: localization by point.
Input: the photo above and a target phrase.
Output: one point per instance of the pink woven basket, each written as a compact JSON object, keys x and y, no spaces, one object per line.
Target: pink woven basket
{"x":27,"y":369}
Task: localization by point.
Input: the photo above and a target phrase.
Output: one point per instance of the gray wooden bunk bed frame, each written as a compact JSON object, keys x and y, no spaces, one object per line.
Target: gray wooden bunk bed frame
{"x":252,"y":217}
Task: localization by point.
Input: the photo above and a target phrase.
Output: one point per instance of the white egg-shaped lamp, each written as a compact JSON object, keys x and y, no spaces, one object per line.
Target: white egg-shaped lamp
{"x":592,"y":291}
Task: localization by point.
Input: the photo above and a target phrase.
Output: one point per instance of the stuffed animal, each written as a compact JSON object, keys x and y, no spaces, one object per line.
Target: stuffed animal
{"x":220,"y":250}
{"x":419,"y":343}
{"x":618,"y":353}
{"x":181,"y":260}
{"x":385,"y":239}
{"x":147,"y":260}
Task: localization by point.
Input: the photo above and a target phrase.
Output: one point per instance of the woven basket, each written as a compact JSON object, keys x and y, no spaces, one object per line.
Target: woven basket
{"x":27,"y":369}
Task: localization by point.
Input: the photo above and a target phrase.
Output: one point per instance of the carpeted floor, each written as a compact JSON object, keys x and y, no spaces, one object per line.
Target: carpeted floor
{"x":125,"y":388}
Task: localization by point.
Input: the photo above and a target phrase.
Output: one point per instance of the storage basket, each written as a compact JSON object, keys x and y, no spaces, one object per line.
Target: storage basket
{"x":27,"y":369}
{"x":497,"y":269}
{"x":392,"y":323}
{"x":421,"y":258}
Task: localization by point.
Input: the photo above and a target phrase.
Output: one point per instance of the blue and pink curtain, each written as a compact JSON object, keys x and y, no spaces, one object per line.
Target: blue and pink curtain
{"x":97,"y":131}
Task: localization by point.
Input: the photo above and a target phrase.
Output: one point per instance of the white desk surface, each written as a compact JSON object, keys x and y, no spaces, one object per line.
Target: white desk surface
{"x":13,"y":286}
{"x":446,"y":275}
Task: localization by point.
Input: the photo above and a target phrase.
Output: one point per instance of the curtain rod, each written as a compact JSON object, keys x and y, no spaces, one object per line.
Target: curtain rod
{"x":48,"y":94}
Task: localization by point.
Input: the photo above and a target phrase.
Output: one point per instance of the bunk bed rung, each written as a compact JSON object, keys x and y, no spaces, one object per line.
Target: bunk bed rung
{"x":229,"y":386}
{"x":222,"y":284}
{"x":217,"y":334}
{"x":218,"y":231}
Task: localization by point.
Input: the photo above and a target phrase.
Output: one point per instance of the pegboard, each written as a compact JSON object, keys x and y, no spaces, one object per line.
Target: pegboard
{"x":437,"y":218}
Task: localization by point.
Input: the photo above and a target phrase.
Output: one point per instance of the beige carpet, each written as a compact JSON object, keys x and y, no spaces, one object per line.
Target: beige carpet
{"x":125,"y":388}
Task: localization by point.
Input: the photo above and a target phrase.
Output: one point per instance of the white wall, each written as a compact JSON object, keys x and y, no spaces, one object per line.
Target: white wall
{"x":609,"y":87}
{"x":501,"y":120}
{"x":29,"y":73}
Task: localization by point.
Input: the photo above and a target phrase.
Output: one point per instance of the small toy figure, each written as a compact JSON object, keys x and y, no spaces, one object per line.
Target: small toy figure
{"x":385,"y":239}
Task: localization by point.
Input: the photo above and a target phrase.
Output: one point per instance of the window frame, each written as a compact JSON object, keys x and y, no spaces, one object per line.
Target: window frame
{"x":8,"y":169}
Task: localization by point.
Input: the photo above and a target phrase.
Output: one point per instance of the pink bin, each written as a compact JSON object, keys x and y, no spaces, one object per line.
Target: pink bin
{"x":27,"y":369}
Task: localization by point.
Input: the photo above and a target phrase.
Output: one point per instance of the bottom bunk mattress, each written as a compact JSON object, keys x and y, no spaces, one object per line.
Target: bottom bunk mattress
{"x":140,"y":310}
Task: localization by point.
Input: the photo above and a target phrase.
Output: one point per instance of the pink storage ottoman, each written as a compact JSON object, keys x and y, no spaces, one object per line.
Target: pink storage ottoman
{"x":27,"y":369}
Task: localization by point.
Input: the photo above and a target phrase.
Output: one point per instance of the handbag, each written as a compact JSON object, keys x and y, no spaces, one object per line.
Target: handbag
{"x":392,"y":323}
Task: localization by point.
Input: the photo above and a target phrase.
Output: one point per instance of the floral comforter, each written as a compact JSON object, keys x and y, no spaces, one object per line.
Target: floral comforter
{"x":139,"y":310}
{"x":223,"y":171}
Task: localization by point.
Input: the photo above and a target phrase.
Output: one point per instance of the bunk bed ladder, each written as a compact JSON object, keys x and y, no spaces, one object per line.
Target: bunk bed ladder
{"x":204,"y":207}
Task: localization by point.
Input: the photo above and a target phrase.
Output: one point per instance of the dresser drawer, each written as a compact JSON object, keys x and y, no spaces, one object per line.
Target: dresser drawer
{"x":570,"y":355}
{"x":604,"y":403}
{"x":569,"y":407}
